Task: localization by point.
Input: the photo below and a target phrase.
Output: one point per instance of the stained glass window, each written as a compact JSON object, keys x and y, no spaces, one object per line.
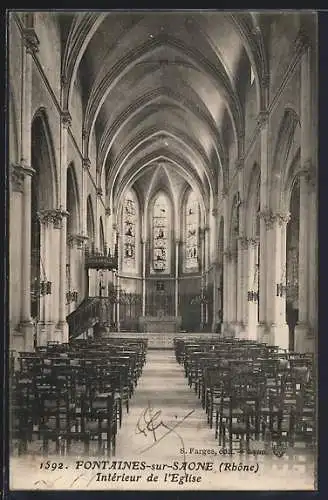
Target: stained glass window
{"x":129,"y":231}
{"x":160,"y":222}
{"x":191,"y":234}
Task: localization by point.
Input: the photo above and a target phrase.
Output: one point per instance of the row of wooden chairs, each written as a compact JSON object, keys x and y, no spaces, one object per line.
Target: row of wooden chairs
{"x":251,"y":390}
{"x":74,"y":393}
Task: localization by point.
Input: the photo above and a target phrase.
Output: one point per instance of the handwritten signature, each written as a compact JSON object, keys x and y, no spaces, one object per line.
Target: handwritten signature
{"x":150,"y":422}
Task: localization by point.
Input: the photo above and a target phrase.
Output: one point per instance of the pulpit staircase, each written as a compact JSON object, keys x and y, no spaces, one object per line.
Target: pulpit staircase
{"x":91,"y":310}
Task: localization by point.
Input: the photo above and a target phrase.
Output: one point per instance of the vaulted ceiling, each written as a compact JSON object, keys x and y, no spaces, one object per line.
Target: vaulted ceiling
{"x":165,"y":87}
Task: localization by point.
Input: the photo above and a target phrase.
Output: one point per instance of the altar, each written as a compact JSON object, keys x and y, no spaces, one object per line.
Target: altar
{"x":160,"y":323}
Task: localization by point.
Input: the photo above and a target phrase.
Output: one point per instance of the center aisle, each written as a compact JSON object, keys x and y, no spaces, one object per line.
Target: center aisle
{"x":164,"y":395}
{"x":163,"y":401}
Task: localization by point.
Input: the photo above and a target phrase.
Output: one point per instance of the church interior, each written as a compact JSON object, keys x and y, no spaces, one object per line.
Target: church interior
{"x":163,"y":236}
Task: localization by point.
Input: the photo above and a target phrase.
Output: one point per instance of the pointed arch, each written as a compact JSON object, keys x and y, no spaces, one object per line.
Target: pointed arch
{"x":102,"y":243}
{"x":43,"y":160}
{"x":73,"y":201}
{"x":13,"y":135}
{"x":191,"y":224}
{"x":281,"y":158}
{"x":161,"y":230}
{"x":130,"y":224}
{"x":90,"y":221}
{"x":253,"y":201}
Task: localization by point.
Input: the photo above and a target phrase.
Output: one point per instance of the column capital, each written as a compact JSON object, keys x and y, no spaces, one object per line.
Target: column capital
{"x":239,"y":164}
{"x":244,"y":242}
{"x":17,"y":178}
{"x":262,"y":119}
{"x":265,"y":80}
{"x":282,"y":218}
{"x":268,"y":217}
{"x":271,"y":218}
{"x":302,"y":41}
{"x":229,"y":254}
{"x":253,"y":242}
{"x":99,"y":191}
{"x":214,"y":212}
{"x":66,"y":118}
{"x":18,"y":173}
{"x":108,"y":211}
{"x":77,"y":240}
{"x":31,"y":41}
{"x":86,"y":163}
{"x":52,"y":216}
{"x":309,"y":172}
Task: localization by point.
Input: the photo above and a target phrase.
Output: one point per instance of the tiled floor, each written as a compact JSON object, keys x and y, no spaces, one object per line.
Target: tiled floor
{"x":163,"y":401}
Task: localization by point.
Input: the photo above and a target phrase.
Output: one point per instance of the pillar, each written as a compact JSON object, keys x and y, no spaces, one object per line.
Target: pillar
{"x":49,"y":254}
{"x":226,"y":261}
{"x":252,"y":285}
{"x":302,"y":329}
{"x":143,"y":245}
{"x":29,"y":47}
{"x":263,"y":332}
{"x":61,"y":225}
{"x":176,"y":278}
{"x":17,"y":340}
{"x":277,"y":256}
{"x":214,"y":256}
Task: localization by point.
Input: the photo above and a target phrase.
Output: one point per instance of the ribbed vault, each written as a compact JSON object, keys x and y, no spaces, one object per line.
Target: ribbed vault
{"x":162,"y":86}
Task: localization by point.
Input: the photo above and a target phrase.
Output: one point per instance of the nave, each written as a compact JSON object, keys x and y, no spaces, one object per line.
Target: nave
{"x":175,"y":390}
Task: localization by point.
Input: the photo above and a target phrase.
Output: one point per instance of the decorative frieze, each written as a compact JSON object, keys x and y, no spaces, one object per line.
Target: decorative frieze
{"x":31,"y":40}
{"x":52,"y":216}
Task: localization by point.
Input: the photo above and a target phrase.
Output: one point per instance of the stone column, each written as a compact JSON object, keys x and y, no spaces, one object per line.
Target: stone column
{"x":226,"y":261}
{"x":143,"y":244}
{"x":241,"y":249}
{"x":277,"y":255}
{"x":30,"y":46}
{"x":312,"y":262}
{"x":97,"y":214}
{"x":264,"y":213}
{"x":16,"y":215}
{"x":118,"y":282}
{"x":302,"y":329}
{"x":252,"y":282}
{"x":61,"y":224}
{"x":48,"y":272}
{"x":176,"y":278}
{"x":214,"y":257}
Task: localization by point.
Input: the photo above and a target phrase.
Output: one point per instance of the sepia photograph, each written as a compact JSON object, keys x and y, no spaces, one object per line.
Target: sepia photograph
{"x":163,"y":250}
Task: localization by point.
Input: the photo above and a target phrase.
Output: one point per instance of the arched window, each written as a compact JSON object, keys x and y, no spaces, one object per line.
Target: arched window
{"x":129,"y":223}
{"x":160,"y":232}
{"x":191,"y":232}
